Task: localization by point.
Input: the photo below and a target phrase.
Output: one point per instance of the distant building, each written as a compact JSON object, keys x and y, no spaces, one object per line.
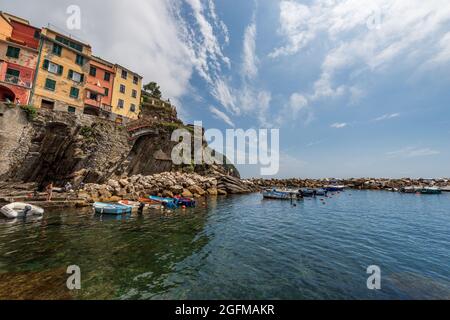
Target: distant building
{"x":19,"y":44}
{"x":61,"y":74}
{"x":99,"y":87}
{"x":126,"y":96}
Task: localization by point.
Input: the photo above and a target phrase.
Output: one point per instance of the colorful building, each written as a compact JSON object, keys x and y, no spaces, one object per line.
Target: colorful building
{"x":19,"y":44}
{"x":126,"y":95}
{"x":99,"y":87}
{"x":64,"y":64}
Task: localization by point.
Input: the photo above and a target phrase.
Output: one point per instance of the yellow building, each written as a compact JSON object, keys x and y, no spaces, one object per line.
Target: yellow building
{"x":126,"y":95}
{"x":61,"y":73}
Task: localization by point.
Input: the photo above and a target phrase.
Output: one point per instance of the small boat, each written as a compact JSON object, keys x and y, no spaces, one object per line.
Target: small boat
{"x":431,"y":190}
{"x":21,"y":210}
{"x":186,"y":202}
{"x":409,"y":189}
{"x":308,"y":193}
{"x":132,"y":204}
{"x":167,"y":202}
{"x":321,"y":192}
{"x":150,"y":203}
{"x":111,"y":208}
{"x":275,"y":194}
{"x":334,"y":188}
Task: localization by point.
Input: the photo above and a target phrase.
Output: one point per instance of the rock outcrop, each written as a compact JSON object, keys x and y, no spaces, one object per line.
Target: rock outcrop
{"x":60,"y":147}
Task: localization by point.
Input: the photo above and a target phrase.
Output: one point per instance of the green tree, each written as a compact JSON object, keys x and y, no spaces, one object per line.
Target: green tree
{"x":153,"y":89}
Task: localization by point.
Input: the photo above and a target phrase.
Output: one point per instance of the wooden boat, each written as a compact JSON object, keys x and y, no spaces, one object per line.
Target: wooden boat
{"x":410,"y":189}
{"x":166,"y":202}
{"x":150,"y":203}
{"x":132,"y":204}
{"x":281,"y":194}
{"x":20,"y":210}
{"x":111,"y":208}
{"x":431,"y":190}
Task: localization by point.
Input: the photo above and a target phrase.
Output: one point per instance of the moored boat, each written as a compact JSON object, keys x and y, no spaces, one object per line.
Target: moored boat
{"x":275,"y":194}
{"x":308,"y":193}
{"x":321,"y":192}
{"x":334,"y":188}
{"x":20,"y":210}
{"x":431,"y":190}
{"x":186,"y":202}
{"x":111,"y":208}
{"x":133,"y":204}
{"x":167,"y":202}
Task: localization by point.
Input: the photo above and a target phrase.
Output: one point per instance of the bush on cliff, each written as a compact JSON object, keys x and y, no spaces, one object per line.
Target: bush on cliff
{"x":30,"y":111}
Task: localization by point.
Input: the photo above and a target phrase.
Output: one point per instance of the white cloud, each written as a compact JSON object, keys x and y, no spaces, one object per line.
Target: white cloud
{"x":339,"y":125}
{"x":387,"y":117}
{"x":409,"y":32}
{"x":221,"y":116}
{"x":249,"y":67}
{"x":413,"y":152}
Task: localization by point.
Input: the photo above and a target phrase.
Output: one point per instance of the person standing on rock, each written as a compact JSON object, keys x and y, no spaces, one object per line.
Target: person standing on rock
{"x":49,"y":190}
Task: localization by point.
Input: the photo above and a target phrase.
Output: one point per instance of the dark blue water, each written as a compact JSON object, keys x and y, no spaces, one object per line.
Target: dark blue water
{"x":239,"y":247}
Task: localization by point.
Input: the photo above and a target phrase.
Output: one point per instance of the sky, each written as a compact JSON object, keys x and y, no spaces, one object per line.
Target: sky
{"x":356,"y":88}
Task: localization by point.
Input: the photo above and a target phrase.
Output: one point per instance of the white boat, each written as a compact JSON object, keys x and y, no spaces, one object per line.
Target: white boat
{"x":133,"y":204}
{"x":20,"y":210}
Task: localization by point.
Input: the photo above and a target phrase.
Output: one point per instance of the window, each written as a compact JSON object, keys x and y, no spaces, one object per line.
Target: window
{"x":134,"y":94}
{"x":57,"y":49}
{"x":122,"y":88}
{"x":74,"y":92}
{"x":37,"y":34}
{"x":75,"y":76}
{"x":12,"y":75}
{"x":13,"y":52}
{"x":71,"y":109}
{"x":92,"y":95}
{"x":120,"y":104}
{"x":124,"y":74}
{"x":50,"y":84}
{"x":106,"y":92}
{"x":53,"y":67}
{"x":133,"y":108}
{"x":93,"y":71}
{"x":135,"y":80}
{"x":69,"y":43}
{"x":79,"y":60}
{"x":107,"y":76}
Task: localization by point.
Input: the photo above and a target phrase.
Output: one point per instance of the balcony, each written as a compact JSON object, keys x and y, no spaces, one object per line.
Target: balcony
{"x":16,"y":81}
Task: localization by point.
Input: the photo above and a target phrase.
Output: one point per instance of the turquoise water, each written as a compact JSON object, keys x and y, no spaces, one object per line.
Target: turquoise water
{"x":239,"y":247}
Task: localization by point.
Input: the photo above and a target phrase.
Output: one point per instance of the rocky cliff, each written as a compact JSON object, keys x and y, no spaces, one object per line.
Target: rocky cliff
{"x":60,"y":147}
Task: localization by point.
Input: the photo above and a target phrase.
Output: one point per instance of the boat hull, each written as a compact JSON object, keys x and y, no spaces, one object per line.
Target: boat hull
{"x":20,"y":210}
{"x":111,"y":209}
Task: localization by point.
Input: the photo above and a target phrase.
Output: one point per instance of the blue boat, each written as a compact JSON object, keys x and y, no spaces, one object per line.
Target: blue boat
{"x":167,"y":202}
{"x":111,"y":208}
{"x":334,"y":188}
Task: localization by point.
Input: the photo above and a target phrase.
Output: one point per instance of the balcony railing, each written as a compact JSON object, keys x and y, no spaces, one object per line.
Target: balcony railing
{"x":16,"y":80}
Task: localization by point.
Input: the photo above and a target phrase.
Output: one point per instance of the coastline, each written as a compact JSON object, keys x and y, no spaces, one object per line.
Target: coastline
{"x":189,"y":185}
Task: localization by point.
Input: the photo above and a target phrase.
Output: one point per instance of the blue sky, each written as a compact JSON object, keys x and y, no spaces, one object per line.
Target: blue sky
{"x":357,"y":88}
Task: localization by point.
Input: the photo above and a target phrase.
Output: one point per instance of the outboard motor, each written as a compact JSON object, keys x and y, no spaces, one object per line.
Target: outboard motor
{"x":26,"y":210}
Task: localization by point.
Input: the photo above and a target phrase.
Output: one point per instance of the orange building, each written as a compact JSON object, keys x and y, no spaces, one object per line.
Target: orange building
{"x":19,"y":51}
{"x":99,"y":87}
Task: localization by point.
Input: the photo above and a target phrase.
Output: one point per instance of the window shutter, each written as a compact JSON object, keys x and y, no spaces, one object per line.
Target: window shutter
{"x":70,"y":74}
{"x":82,"y":78}
{"x":60,"y":70}
{"x":45,"y":65}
